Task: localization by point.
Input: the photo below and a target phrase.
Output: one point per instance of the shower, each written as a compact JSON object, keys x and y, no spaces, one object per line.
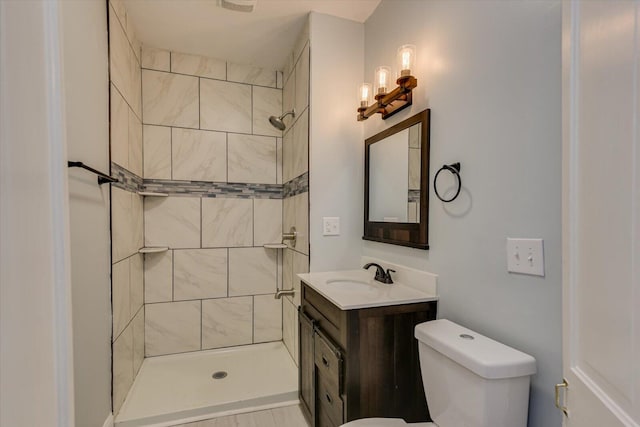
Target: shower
{"x":277,"y":122}
{"x":224,"y":344}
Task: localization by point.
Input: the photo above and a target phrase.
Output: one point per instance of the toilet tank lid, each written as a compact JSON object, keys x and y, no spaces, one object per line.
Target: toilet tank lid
{"x":481,"y":355}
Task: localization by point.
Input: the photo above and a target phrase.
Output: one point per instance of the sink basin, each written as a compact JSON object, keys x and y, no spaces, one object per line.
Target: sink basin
{"x":351,"y":285}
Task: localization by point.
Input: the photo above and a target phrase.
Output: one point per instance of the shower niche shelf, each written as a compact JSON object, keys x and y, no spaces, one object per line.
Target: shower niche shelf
{"x":153,"y":250}
{"x":274,"y":246}
{"x":152,"y":194}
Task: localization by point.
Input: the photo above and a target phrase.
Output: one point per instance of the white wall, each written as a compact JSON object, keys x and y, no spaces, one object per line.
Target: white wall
{"x":84,"y":29}
{"x":335,"y":141}
{"x":490,"y":72}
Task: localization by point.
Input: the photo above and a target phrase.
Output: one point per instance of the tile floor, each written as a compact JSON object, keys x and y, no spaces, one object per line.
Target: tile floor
{"x":287,"y":416}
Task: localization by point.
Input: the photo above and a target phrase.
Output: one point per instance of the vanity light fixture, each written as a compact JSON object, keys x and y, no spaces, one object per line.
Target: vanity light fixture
{"x":387,"y":103}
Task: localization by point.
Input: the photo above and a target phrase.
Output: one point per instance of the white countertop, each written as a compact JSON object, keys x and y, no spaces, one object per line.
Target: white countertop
{"x":353,"y":296}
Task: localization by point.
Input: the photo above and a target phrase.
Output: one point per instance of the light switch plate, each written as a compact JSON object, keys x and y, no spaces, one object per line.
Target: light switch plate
{"x":525,"y":256}
{"x":330,"y":226}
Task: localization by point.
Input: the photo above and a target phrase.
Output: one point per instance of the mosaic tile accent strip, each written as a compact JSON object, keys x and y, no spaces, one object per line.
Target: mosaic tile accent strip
{"x":127,"y":180}
{"x":296,"y":186}
{"x":214,"y":189}
{"x":414,"y":195}
{"x":131,"y":182}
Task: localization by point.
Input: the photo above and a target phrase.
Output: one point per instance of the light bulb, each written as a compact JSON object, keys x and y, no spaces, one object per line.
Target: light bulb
{"x":383,"y":74}
{"x":382,"y":82}
{"x":406,"y":59}
{"x":364,"y":93}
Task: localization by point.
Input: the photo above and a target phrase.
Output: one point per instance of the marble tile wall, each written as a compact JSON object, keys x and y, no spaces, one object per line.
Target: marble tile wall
{"x":208,"y":144}
{"x":207,"y":120}
{"x":295,"y":176}
{"x":216,"y":262}
{"x":127,"y":277}
{"x":125,"y":91}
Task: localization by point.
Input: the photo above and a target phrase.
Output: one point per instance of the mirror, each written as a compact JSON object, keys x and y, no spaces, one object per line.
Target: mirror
{"x":394,"y":187}
{"x":396,"y":183}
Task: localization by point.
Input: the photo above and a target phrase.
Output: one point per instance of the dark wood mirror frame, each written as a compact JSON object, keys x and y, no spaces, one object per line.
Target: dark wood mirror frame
{"x":415,"y":235}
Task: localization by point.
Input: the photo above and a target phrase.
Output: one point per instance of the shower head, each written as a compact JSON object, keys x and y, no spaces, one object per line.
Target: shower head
{"x":278,"y":123}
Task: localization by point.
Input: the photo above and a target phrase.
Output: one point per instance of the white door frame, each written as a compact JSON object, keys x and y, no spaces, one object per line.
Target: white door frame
{"x":36,"y":362}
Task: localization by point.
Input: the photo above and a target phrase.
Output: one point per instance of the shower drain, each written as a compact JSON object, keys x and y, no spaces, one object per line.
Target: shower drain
{"x":219,"y":375}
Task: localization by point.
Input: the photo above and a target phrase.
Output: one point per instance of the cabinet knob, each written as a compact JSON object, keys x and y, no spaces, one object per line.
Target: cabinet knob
{"x":328,"y":398}
{"x":325,"y":362}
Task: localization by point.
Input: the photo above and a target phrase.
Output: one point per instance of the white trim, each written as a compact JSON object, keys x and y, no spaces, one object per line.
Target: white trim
{"x":570,"y":171}
{"x":59,"y":191}
{"x":36,"y":352}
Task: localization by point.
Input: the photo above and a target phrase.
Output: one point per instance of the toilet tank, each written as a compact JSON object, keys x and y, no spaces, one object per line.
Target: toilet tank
{"x":471,"y":380}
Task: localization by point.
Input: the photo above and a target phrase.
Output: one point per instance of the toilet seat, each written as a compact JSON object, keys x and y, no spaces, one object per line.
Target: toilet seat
{"x":385,"y":422}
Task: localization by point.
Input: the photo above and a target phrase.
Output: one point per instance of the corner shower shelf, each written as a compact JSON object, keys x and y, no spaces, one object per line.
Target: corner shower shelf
{"x":153,"y":250}
{"x":152,"y":194}
{"x":274,"y":246}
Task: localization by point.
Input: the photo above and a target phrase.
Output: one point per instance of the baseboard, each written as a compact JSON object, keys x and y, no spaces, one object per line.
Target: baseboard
{"x":109,"y":421}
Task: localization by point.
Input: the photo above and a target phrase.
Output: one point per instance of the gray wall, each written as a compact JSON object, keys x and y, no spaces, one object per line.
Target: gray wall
{"x":490,"y":72}
{"x":86,"y":82}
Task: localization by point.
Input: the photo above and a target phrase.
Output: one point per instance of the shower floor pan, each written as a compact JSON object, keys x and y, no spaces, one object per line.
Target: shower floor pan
{"x":179,"y":388}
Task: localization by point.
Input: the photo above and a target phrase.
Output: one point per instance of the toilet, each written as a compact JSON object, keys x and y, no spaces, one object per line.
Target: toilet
{"x":469,"y":380}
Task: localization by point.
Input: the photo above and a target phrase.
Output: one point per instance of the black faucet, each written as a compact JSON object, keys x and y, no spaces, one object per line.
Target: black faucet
{"x":381,"y":276}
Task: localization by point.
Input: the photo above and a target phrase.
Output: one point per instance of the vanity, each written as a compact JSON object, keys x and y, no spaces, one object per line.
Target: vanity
{"x":358,"y":355}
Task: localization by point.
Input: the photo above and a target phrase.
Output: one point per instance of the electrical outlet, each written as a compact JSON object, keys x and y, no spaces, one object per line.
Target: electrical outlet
{"x":525,"y":256}
{"x":330,"y":226}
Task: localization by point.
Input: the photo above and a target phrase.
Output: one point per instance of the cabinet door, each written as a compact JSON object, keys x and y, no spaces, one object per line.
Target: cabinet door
{"x":307,"y":366}
{"x":382,"y":376}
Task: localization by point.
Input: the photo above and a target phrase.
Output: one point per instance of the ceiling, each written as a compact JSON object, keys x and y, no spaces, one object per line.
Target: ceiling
{"x":262,"y":38}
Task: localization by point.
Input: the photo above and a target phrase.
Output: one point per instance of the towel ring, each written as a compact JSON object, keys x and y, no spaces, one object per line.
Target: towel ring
{"x":454,"y":168}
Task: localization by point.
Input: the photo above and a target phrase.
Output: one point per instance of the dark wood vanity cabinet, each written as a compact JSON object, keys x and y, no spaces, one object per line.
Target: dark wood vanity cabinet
{"x":360,"y":363}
